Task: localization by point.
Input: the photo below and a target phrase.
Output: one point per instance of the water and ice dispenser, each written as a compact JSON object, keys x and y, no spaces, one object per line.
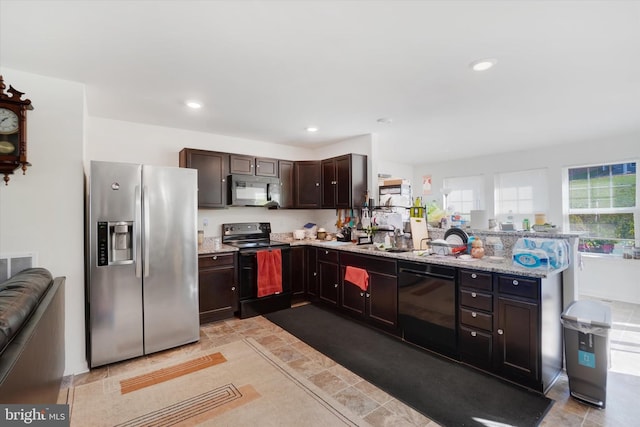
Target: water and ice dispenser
{"x":115,"y":243}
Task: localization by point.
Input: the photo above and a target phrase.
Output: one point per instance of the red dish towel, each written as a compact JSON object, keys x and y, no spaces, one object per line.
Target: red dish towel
{"x":357,"y":276}
{"x":269,"y":272}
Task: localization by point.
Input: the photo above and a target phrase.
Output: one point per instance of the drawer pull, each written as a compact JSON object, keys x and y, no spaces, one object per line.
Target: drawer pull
{"x":233,"y":288}
{"x":315,"y":274}
{"x":474,"y":275}
{"x":473,"y":333}
{"x":326,"y":252}
{"x":473,"y":295}
{"x":474,"y":314}
{"x":214,"y":257}
{"x":500,"y":332}
{"x":515,"y":283}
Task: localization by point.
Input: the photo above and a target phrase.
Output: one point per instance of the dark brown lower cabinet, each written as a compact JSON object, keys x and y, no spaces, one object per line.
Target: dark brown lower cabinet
{"x":312,"y":273}
{"x":298,"y":271}
{"x":379,"y":303}
{"x":217,"y":290}
{"x":510,"y":325}
{"x":328,"y":276}
{"x":518,"y":335}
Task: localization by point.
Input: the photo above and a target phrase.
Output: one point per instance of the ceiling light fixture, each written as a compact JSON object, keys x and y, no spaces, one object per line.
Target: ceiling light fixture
{"x":312,"y":129}
{"x":193,"y":104}
{"x":482,"y":64}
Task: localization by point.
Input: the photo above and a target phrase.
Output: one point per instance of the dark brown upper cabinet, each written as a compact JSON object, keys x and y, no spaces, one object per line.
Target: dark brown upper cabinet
{"x":344,"y":181}
{"x":307,"y":184}
{"x":213,"y":168}
{"x":285,"y":171}
{"x":248,"y":165}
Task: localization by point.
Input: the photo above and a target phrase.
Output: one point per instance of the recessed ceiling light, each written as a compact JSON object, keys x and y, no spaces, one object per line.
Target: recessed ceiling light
{"x":193,"y":104}
{"x":482,"y":64}
{"x":385,"y":120}
{"x":312,"y":129}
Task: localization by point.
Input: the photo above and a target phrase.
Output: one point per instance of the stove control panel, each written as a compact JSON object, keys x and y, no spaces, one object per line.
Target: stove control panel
{"x":240,"y":229}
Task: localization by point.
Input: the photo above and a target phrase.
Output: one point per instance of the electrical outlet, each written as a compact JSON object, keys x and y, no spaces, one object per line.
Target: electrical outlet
{"x":205,"y":222}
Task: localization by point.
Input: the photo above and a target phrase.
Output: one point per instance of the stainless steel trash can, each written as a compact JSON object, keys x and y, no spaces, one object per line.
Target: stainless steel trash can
{"x":586,"y":350}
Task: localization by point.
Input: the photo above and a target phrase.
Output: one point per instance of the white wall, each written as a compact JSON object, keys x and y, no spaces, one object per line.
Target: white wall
{"x":612,"y":149}
{"x":119,"y":141}
{"x":42,"y":211}
{"x":610,"y":278}
{"x":554,"y":159}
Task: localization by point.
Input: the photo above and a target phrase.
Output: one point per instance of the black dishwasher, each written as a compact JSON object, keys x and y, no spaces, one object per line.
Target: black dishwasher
{"x":427,"y":306}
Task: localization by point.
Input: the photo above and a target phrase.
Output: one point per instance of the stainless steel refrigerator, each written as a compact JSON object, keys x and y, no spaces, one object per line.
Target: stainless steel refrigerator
{"x":142,"y":253}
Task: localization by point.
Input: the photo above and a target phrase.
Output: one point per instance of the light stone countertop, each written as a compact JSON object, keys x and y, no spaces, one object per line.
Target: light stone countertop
{"x":483,"y":264}
{"x":207,"y":247}
{"x":506,"y":266}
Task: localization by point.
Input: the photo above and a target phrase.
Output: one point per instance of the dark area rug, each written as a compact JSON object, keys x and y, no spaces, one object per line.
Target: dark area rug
{"x":448,"y":392}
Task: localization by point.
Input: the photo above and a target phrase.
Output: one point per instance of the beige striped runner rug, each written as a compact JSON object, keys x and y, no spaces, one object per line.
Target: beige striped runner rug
{"x":236,"y":384}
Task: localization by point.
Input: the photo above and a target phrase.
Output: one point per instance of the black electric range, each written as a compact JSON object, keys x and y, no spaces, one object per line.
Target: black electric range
{"x":250,"y":235}
{"x":250,"y":238}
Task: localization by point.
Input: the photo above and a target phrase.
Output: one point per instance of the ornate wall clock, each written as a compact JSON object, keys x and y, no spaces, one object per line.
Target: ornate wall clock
{"x":13,"y":131}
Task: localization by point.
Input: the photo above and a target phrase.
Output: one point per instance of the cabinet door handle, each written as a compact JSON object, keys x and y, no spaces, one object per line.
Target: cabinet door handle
{"x":224,"y":180}
{"x":317,"y":184}
{"x":326,"y":252}
{"x":368,"y":295}
{"x":500,"y":332}
{"x":474,"y":275}
{"x":335,"y":285}
{"x":233,"y":288}
{"x":473,"y":295}
{"x":473,"y":333}
{"x":361,"y":294}
{"x":214,"y":257}
{"x":515,"y":283}
{"x":474,"y":314}
{"x":315,"y":274}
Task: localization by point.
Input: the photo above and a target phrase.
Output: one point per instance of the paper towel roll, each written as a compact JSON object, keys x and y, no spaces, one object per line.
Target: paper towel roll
{"x":479,"y":219}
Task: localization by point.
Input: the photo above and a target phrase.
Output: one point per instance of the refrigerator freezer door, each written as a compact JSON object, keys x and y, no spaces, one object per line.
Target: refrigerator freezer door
{"x":169,"y":204}
{"x":114,"y":293}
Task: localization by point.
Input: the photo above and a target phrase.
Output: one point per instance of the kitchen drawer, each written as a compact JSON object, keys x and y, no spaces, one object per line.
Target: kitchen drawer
{"x":371,"y":264}
{"x":216,"y":260}
{"x":476,"y":319}
{"x":476,"y":348}
{"x":518,"y":286}
{"x":472,"y":299}
{"x":327,"y":255}
{"x":476,"y":279}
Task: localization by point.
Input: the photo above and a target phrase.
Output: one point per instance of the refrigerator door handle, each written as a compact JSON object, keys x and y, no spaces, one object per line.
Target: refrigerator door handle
{"x":137,"y":231}
{"x":145,"y":245}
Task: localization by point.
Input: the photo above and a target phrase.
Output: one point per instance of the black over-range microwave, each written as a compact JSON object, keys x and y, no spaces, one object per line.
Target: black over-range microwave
{"x":249,"y":190}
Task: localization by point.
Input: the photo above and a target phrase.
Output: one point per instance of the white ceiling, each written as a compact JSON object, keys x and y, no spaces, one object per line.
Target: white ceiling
{"x":567,"y":71}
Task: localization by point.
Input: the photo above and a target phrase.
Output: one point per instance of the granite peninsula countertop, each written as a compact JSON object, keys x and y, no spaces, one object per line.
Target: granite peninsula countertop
{"x":484,"y":264}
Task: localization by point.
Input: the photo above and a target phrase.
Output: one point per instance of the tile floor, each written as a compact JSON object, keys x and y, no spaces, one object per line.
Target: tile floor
{"x":380,"y":409}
